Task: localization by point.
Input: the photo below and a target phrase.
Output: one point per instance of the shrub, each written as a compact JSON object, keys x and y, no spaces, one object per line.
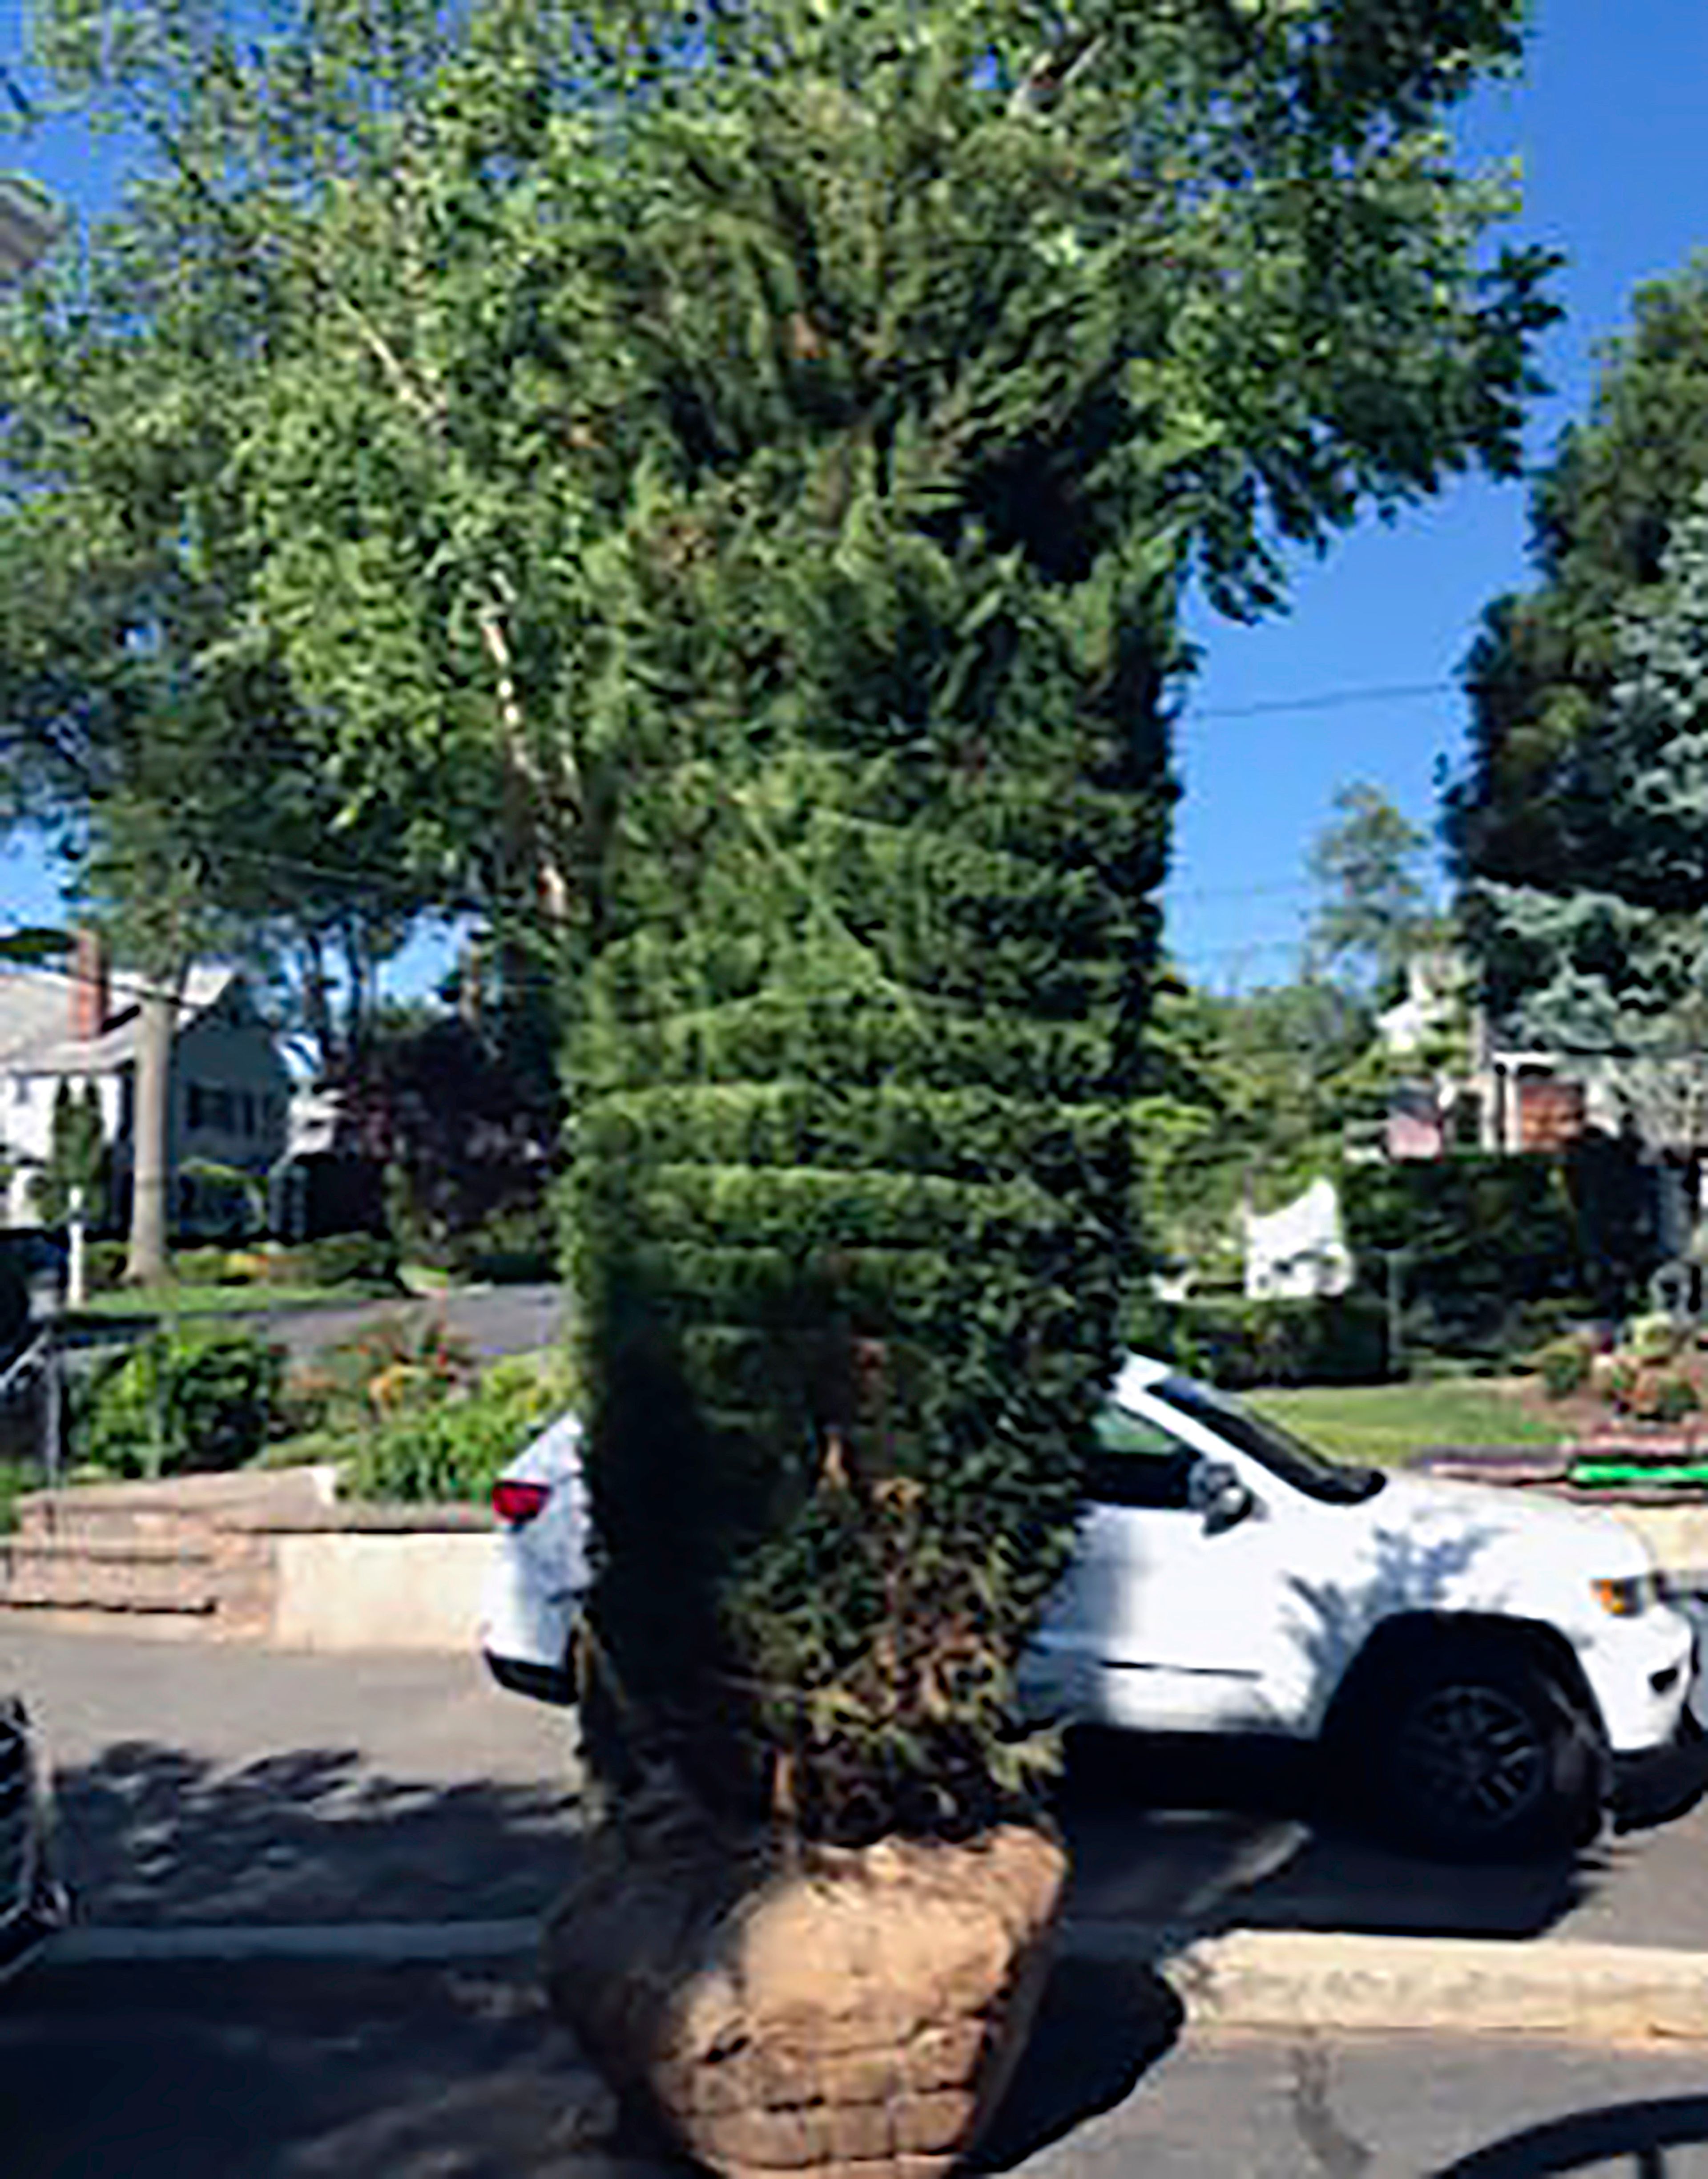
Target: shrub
{"x":405,"y":1360}
{"x":220,"y":1201}
{"x":1239,"y":1343}
{"x":1653,"y":1339}
{"x":201,"y":1267}
{"x":193,"y":1399}
{"x":1654,"y":1394}
{"x":454,"y":1448}
{"x":851,"y":1187}
{"x":350,"y":1260}
{"x":514,"y":1247}
{"x":103,"y":1266}
{"x":1564,"y":1365}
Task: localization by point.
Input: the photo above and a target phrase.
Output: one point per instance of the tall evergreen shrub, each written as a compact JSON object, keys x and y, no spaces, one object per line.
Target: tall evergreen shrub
{"x":918,"y":357}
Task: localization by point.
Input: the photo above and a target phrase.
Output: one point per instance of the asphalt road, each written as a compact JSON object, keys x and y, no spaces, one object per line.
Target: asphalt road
{"x":201,"y":1783}
{"x":229,"y":1784}
{"x":294,"y":2072}
{"x":493,"y":1320}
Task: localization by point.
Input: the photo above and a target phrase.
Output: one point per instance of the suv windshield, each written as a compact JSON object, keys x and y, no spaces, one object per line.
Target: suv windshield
{"x":1280,"y":1452}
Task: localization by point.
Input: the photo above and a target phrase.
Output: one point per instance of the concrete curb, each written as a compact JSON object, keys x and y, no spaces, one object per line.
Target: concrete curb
{"x":1272,"y":1980}
{"x":1262,"y":1980}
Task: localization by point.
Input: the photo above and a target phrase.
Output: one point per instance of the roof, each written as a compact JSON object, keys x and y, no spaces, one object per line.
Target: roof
{"x":36,"y":1016}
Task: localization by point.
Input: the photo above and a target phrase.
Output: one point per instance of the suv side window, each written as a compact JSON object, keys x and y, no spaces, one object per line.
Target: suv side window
{"x":1138,"y":1464}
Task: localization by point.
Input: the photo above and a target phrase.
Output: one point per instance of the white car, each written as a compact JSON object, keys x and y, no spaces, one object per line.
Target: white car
{"x":1482,"y":1663}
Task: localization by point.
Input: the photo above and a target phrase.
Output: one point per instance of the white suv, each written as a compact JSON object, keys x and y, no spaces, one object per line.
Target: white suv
{"x":1478,"y":1662}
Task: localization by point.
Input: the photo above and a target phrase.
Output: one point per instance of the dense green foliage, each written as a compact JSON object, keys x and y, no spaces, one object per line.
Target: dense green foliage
{"x":1246,"y":1101}
{"x":1605,"y":950}
{"x":77,"y":1158}
{"x":1237,"y":1343}
{"x":1543,"y":672}
{"x":181,"y":1402}
{"x":1582,"y":827}
{"x":435,"y":1451}
{"x":1494,"y":1248}
{"x":721,"y":486}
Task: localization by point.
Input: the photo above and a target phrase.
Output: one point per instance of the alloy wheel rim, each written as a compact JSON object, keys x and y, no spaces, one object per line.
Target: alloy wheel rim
{"x":1475,"y":1752}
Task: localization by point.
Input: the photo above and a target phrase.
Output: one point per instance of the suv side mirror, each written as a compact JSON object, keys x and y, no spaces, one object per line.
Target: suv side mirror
{"x":1214,"y":1490}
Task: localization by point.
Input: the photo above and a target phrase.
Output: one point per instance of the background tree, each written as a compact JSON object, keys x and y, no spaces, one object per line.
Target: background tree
{"x":1374,"y":914}
{"x":729,"y":483}
{"x":77,"y":1159}
{"x":145,"y":714}
{"x":1542,"y":671}
{"x":1244,"y":1100}
{"x":1608,"y":953}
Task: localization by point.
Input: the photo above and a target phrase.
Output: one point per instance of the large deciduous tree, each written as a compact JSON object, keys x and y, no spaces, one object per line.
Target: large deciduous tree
{"x":1373,"y":913}
{"x":1541,"y":674}
{"x":730,"y":476}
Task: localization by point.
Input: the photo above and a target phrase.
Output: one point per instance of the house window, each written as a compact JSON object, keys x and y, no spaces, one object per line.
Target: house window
{"x":193,"y":1105}
{"x":21,"y":1086}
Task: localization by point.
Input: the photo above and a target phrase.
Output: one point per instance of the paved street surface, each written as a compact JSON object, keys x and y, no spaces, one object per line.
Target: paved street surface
{"x":1398,"y":2108}
{"x":200,"y":1783}
{"x":229,"y":1785}
{"x":1251,"y":1854}
{"x":493,"y":1319}
{"x":208,"y":1784}
{"x":294,"y":2072}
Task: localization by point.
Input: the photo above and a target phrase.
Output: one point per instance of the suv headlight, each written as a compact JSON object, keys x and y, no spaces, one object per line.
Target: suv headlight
{"x":1627,"y":1598}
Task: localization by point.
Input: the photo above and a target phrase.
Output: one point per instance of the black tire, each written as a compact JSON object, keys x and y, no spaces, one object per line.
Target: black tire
{"x":1481,"y":1755}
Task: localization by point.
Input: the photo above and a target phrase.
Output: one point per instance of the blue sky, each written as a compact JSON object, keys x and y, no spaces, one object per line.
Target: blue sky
{"x":1609,"y":122}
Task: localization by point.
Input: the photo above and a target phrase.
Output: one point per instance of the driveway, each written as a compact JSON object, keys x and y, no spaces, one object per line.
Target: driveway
{"x":204,"y":1783}
{"x":199,"y":1783}
{"x":1163,"y":1834}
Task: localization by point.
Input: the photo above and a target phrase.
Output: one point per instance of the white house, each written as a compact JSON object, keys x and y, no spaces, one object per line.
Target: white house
{"x":1299,"y":1252}
{"x":231,"y":1089}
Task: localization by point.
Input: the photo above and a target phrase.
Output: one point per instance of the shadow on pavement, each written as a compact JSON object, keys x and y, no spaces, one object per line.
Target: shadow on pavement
{"x":1099,"y":2027}
{"x":150,"y":1834}
{"x":1632,"y":2138}
{"x":1221,"y":1836}
{"x":292,"y":2072}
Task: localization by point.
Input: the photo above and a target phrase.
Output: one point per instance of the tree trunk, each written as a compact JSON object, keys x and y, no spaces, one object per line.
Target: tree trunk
{"x":146,"y":1263}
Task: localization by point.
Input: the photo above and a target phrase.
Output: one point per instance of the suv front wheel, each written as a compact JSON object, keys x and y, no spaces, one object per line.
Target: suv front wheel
{"x":1481,"y":1754}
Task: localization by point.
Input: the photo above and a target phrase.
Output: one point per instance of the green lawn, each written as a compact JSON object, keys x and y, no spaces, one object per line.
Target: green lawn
{"x":227,"y":1301}
{"x":1384,"y":1424}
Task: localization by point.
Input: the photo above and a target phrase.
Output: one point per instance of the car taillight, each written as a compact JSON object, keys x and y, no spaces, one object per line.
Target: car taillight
{"x":518,"y":1503}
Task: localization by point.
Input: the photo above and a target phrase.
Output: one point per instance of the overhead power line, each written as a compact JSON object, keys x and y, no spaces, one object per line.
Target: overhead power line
{"x":1328,"y":699}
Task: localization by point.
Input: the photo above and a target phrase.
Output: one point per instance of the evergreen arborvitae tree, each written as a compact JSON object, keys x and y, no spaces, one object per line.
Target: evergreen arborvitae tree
{"x":926,"y":376}
{"x":77,"y":1157}
{"x":852,"y":1149}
